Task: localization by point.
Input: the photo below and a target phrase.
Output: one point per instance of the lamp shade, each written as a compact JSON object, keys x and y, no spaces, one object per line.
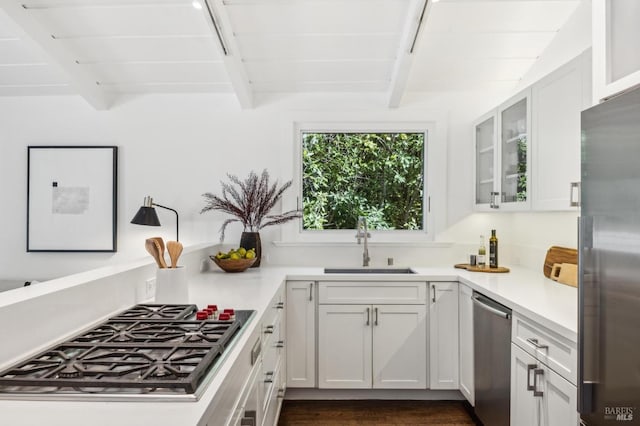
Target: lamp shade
{"x":146,"y":216}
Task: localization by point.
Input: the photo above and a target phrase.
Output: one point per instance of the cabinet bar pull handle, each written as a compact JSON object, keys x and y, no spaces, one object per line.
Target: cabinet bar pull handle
{"x":530,"y":367}
{"x":310,"y":292}
{"x":280,"y":305}
{"x":537,"y":345}
{"x":269,"y":329}
{"x":280,"y":344}
{"x":494,"y":205}
{"x":375,"y":310}
{"x":433,"y":288}
{"x":368,"y":312}
{"x":536,"y":372}
{"x":574,"y":194}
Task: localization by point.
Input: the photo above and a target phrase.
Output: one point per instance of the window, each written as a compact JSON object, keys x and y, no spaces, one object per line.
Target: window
{"x":378,"y":175}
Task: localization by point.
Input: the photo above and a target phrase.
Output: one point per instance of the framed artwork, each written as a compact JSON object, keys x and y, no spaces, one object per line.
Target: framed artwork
{"x":72,"y":198}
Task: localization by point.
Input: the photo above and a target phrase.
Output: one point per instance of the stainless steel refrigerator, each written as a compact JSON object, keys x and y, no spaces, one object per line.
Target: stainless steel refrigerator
{"x":609,"y":288}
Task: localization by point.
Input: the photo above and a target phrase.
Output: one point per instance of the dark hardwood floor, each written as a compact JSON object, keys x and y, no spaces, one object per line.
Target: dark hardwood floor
{"x":374,"y":412}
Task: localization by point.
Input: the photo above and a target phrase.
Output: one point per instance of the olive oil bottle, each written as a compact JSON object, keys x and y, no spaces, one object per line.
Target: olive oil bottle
{"x":482,"y":254}
{"x":493,"y":250}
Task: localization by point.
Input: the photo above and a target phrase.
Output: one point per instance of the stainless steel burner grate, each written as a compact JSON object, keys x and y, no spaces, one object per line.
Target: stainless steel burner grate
{"x":162,"y":351}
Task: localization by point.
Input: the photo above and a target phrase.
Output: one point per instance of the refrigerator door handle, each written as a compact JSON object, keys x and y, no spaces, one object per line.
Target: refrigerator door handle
{"x":585,"y":386}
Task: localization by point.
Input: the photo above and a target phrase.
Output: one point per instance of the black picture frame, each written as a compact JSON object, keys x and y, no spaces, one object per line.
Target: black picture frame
{"x":72,"y":196}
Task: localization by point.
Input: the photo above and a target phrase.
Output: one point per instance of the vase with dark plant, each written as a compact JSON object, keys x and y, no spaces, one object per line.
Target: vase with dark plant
{"x":249,"y":201}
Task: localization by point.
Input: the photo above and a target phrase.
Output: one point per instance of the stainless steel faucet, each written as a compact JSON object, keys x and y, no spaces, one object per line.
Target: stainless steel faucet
{"x":361,"y":232}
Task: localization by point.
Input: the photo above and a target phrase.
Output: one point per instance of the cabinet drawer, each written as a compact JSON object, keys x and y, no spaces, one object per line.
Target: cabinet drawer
{"x":387,"y":292}
{"x":557,"y":352}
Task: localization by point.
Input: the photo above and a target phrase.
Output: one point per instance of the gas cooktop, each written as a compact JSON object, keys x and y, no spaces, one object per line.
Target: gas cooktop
{"x":146,"y":352}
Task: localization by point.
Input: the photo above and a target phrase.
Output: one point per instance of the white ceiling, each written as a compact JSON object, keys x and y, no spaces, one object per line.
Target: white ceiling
{"x":102,"y":49}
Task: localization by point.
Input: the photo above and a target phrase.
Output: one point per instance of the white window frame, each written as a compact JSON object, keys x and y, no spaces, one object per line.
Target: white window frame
{"x":294,"y":231}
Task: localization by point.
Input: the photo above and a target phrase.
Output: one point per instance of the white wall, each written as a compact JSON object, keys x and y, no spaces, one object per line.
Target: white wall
{"x":176,"y":147}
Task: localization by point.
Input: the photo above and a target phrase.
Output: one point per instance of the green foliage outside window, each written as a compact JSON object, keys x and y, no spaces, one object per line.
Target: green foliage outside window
{"x":376,"y":175}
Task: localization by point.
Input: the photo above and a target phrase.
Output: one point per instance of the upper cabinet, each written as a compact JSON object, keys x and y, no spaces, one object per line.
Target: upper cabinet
{"x":485,"y":141}
{"x":502,"y":160}
{"x":616,"y":57}
{"x":557,"y":101}
{"x":527,"y":151}
{"x":514,"y":118}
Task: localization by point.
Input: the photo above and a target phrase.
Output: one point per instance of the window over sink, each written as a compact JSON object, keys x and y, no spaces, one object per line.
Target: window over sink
{"x":375,"y":170}
{"x":377,"y":175}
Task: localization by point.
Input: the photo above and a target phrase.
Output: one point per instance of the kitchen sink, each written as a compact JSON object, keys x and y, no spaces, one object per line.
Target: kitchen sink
{"x":369,"y":271}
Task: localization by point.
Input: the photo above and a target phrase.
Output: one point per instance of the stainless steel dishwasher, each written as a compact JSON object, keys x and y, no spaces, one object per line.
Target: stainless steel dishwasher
{"x":492,"y":355}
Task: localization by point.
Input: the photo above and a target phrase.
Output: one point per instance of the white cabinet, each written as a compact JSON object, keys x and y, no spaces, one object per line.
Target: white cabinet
{"x":557,"y":101}
{"x":543,"y":376}
{"x":525,"y":408}
{"x":399,"y":346}
{"x":253,"y":390}
{"x":443,"y":335}
{"x":616,"y":57}
{"x":372,"y":346}
{"x":502,"y":156}
{"x":301,"y":334}
{"x":344,"y":346}
{"x":539,"y":396}
{"x":372,"y":335}
{"x":273,"y":360}
{"x":485,"y":160}
{"x":527,"y":151}
{"x":465,"y":326}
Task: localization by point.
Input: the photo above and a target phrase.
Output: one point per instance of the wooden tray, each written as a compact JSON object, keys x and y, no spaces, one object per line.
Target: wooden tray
{"x":499,"y":269}
{"x":557,"y":254}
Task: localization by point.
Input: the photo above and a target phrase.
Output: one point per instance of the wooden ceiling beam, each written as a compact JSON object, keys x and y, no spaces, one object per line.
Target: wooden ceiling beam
{"x":86,"y":84}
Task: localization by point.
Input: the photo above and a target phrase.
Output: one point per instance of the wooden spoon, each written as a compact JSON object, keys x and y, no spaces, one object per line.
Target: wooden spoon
{"x":150,"y":245}
{"x":160,"y":247}
{"x":175,"y":250}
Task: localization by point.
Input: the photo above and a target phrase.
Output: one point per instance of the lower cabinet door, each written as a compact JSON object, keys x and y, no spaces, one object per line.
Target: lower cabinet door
{"x":540,"y":396}
{"x":443,"y":335}
{"x":559,"y":405}
{"x":399,"y":346}
{"x":525,"y":407}
{"x":465,"y":317}
{"x":344,"y":346}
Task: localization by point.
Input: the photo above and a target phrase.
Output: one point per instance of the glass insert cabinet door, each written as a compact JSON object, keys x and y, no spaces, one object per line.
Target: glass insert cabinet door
{"x":513,"y":147}
{"x":485,"y":159}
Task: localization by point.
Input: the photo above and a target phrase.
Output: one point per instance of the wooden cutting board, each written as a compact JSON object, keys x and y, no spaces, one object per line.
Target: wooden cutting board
{"x":565,"y":273}
{"x":468,"y":267}
{"x":557,"y":254}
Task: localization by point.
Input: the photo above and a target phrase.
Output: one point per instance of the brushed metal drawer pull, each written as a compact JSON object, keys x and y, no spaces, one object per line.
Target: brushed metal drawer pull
{"x":269,"y":329}
{"x":310,"y":292}
{"x":433,"y":288}
{"x":368,"y":316}
{"x":375,"y":322}
{"x":280,"y":344}
{"x":537,"y":345}
{"x":269,"y":375}
{"x":280,"y":305}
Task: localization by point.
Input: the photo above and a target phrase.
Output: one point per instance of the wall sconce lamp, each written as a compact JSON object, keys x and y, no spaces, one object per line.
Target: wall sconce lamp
{"x":147,"y":214}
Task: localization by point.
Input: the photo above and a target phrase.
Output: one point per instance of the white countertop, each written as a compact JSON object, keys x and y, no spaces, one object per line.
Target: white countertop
{"x":528,"y":292}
